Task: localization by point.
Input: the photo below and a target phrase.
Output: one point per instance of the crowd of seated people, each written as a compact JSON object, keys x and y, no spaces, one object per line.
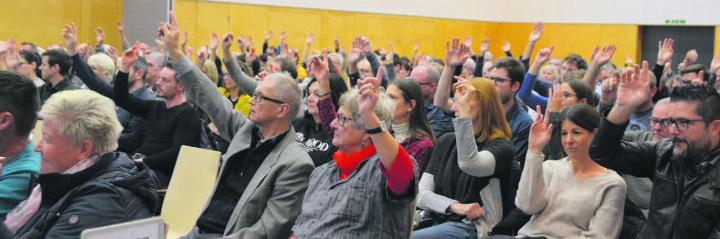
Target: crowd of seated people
{"x":359,"y":142}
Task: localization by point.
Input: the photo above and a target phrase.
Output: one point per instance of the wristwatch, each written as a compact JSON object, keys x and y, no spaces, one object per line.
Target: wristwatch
{"x":376,"y":130}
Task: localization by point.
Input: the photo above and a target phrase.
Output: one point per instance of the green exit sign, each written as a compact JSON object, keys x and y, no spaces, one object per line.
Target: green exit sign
{"x":674,"y":21}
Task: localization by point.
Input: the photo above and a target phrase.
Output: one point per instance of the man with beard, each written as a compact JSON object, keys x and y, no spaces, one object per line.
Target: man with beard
{"x":685,"y":199}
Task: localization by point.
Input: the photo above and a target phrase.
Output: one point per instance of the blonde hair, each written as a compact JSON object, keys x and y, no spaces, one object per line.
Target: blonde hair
{"x":84,"y":115}
{"x":104,"y":62}
{"x":491,"y":118}
{"x":211,"y":71}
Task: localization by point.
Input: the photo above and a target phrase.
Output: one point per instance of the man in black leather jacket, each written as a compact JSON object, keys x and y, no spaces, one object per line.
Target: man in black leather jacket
{"x":685,"y":199}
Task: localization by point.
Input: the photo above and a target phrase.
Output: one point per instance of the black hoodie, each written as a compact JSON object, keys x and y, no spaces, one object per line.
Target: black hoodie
{"x":113,"y":190}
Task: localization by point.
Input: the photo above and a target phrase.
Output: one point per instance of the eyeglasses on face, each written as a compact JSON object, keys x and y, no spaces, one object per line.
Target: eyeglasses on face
{"x":498,"y":80}
{"x":681,"y":124}
{"x":341,"y":119}
{"x":566,"y":94}
{"x":259,"y":98}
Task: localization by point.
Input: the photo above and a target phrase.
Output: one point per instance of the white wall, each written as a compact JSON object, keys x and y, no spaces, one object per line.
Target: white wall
{"x":642,"y":12}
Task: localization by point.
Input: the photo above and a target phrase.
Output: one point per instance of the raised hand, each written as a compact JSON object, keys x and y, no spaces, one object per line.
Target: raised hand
{"x":484,"y":46}
{"x":715,"y":64}
{"x":416,"y":48}
{"x":129,"y":58}
{"x":202,"y":55}
{"x":456,"y":54}
{"x":321,"y":69}
{"x":629,"y":61}
{"x":227,"y":41}
{"x":468,"y":42}
{"x":213,"y":42}
{"x":366,"y":48}
{"x":268,"y":36}
{"x":536,"y":33}
{"x":665,"y":51}
{"x":389,"y":54}
{"x":555,"y":99}
{"x":355,"y":51}
{"x":540,"y":132}
{"x":634,"y":87}
{"x":506,"y":46}
{"x":608,"y":90}
{"x":99,"y":35}
{"x":112,"y":52}
{"x":464,"y":92}
{"x":183,"y":40}
{"x":120,"y":26}
{"x":543,"y":55}
{"x":309,"y":38}
{"x":691,"y":56}
{"x":369,"y":91}
{"x":69,"y":33}
{"x":603,"y":56}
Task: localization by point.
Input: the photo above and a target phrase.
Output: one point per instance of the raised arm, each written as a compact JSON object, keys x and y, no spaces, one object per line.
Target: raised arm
{"x":121,"y":96}
{"x":526,"y":92}
{"x":535,"y":36}
{"x":124,"y":43}
{"x":455,"y":56}
{"x":393,"y":158}
{"x":326,"y":107}
{"x":607,"y":148}
{"x":531,"y":197}
{"x":80,"y":67}
{"x":201,"y":90}
{"x":597,"y":60}
{"x":246,"y":83}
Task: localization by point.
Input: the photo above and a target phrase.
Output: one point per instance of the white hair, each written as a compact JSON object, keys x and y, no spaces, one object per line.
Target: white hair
{"x":104,"y":62}
{"x":384,"y":108}
{"x":84,"y":115}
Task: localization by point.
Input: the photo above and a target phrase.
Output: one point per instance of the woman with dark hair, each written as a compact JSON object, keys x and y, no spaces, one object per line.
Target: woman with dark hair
{"x":465,"y":186}
{"x":573,"y":197}
{"x":570,"y":93}
{"x":314,"y":133}
{"x":410,"y":125}
{"x":29,"y":66}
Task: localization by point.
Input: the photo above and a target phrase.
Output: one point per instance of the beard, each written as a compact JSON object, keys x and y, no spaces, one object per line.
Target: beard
{"x":505,"y":98}
{"x":693,"y":153}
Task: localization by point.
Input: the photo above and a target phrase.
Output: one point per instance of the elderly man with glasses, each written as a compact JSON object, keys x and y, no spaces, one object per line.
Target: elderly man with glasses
{"x":265,"y":171}
{"x":685,"y":196}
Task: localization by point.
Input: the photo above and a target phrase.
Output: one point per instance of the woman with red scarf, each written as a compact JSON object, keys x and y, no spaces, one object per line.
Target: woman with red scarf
{"x":368,"y":189}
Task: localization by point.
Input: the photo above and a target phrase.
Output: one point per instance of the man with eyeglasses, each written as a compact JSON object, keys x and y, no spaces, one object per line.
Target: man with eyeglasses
{"x":685,"y":198}
{"x":265,"y":172}
{"x":427,"y":76}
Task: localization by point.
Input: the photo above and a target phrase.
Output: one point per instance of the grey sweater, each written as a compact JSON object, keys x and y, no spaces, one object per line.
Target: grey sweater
{"x":563,"y":206}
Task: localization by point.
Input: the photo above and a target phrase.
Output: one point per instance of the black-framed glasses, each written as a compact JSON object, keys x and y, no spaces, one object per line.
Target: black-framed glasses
{"x":681,"y":124}
{"x":661,"y":122}
{"x":498,"y":80}
{"x":566,"y":94}
{"x":341,"y":119}
{"x":259,"y":98}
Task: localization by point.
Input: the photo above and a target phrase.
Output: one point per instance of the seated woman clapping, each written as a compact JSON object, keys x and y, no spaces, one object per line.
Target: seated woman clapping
{"x":465,"y":184}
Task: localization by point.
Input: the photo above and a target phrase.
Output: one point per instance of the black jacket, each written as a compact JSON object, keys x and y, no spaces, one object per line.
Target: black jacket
{"x":681,"y":205}
{"x":113,"y":190}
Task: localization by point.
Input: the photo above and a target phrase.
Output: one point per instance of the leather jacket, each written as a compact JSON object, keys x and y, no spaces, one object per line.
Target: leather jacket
{"x":685,"y":198}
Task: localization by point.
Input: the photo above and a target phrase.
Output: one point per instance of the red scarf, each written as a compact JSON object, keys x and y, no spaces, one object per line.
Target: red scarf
{"x":348,"y":162}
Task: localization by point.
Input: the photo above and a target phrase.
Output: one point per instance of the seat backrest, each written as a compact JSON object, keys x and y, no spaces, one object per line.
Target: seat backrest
{"x":190,"y":187}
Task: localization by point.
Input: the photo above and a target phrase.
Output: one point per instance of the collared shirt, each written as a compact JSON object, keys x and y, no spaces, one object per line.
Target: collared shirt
{"x":239,"y":170}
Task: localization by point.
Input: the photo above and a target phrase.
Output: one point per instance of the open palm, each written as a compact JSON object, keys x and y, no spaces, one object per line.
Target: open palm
{"x":456,"y":53}
{"x":540,"y":132}
{"x":634,"y":87}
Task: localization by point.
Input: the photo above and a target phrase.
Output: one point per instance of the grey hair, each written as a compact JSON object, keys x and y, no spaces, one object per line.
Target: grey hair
{"x":157,"y":58}
{"x":84,"y":115}
{"x":384,"y":108}
{"x":433,"y":72}
{"x":287,"y":90}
